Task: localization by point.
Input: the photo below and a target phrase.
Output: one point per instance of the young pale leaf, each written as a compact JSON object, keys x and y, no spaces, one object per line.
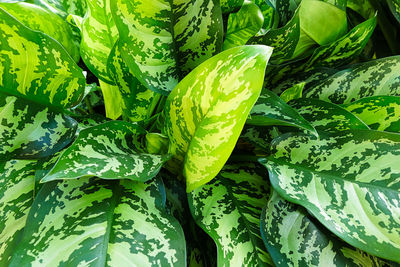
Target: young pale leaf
{"x":29,"y":130}
{"x":243,"y":25}
{"x":112,"y":100}
{"x":312,"y":244}
{"x":376,"y":77}
{"x":35,"y":66}
{"x":325,"y":116}
{"x":271,"y":110}
{"x":108,"y":151}
{"x":380,"y":113}
{"x":163,"y":40}
{"x":17,"y":183}
{"x":229,"y":210}
{"x":39,"y":19}
{"x":100,"y":223}
{"x":206,"y":111}
{"x":294,"y":92}
{"x":64,"y":7}
{"x":349,"y":182}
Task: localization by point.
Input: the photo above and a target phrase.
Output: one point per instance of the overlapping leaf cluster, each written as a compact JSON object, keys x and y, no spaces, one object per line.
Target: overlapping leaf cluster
{"x":199,"y":133}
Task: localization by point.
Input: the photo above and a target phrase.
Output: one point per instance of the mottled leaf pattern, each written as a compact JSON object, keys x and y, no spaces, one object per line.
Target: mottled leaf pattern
{"x":229,"y":210}
{"x":349,"y":182}
{"x":93,"y":222}
{"x":229,"y":6}
{"x":108,"y":151}
{"x":164,"y":40}
{"x":205,"y":113}
{"x":259,"y":136}
{"x":394,"y":6}
{"x":64,"y":7}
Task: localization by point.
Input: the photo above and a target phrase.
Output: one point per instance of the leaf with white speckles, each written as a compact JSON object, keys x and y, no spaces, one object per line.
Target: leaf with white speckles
{"x":109,"y":151}
{"x":349,"y":181}
{"x":206,"y":112}
{"x":229,"y":210}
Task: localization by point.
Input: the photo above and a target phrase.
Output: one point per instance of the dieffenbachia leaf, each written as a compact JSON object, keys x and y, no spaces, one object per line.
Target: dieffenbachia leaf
{"x":100,"y":223}
{"x":243,"y":25}
{"x":112,"y":100}
{"x":394,"y":6}
{"x":345,"y":49}
{"x":271,"y":110}
{"x":108,"y":151}
{"x":36,"y":67}
{"x":207,"y":110}
{"x":286,"y":10}
{"x":39,"y":19}
{"x":17,"y":183}
{"x":362,"y":7}
{"x":348,"y":181}
{"x":29,"y":130}
{"x":229,"y":210}
{"x":136,"y":98}
{"x":162,"y":42}
{"x":259,"y":136}
{"x":294,"y":92}
{"x":380,"y":113}
{"x":229,"y":6}
{"x":325,"y":116}
{"x":64,"y":7}
{"x":269,"y":13}
{"x":376,"y":77}
{"x":294,"y":238}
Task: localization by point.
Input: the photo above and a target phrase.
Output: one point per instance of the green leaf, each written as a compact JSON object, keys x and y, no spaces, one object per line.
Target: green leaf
{"x":376,"y":77}
{"x":39,"y":19}
{"x":207,"y":110}
{"x":29,"y":130}
{"x":229,"y":210}
{"x":380,"y":113}
{"x":64,"y":7}
{"x":259,"y":136}
{"x":294,"y":92}
{"x":112,"y":100}
{"x":286,"y":10}
{"x":394,"y":6}
{"x":362,"y":7}
{"x":17,"y":183}
{"x":348,"y":181}
{"x":269,"y":14}
{"x":243,"y":25}
{"x":272,"y":110}
{"x":229,"y":6}
{"x":294,"y":238}
{"x":36,"y":67}
{"x":108,"y":151}
{"x":325,"y":116}
{"x":101,"y":223}
{"x":162,"y":42}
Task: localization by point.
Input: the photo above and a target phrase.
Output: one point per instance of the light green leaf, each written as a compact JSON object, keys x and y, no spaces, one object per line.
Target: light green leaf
{"x":112,"y":100}
{"x":269,"y":13}
{"x":39,"y":19}
{"x":376,"y":77}
{"x":294,"y":238}
{"x":362,"y":7}
{"x":64,"y":7}
{"x":325,"y":116}
{"x":108,"y":151}
{"x":271,"y":110}
{"x":294,"y":92}
{"x":380,"y":113}
{"x":349,"y":182}
{"x":36,"y":67}
{"x":243,"y":25}
{"x":229,"y":210}
{"x":163,"y":41}
{"x":206,"y":111}
{"x":17,"y":183}
{"x":93,"y":222}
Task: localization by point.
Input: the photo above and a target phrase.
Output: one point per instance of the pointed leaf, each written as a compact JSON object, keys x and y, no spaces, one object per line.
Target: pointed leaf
{"x":112,"y":100}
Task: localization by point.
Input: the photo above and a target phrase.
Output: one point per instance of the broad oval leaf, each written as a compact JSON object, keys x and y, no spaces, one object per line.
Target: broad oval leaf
{"x":206,"y":111}
{"x":229,"y":210}
{"x":162,"y":41}
{"x":294,"y":238}
{"x":108,"y":151}
{"x":100,"y":223}
{"x":349,"y":182}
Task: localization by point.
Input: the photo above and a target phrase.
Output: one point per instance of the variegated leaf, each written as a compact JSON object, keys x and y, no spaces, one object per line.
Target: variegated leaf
{"x":17,"y":183}
{"x":294,"y":92}
{"x":294,"y":238}
{"x":394,"y":6}
{"x":109,"y":151}
{"x":380,"y":113}
{"x":161,"y":42}
{"x":272,"y":110}
{"x":349,"y":182}
{"x":137,"y":99}
{"x":39,"y":19}
{"x":376,"y":77}
{"x":36,"y":67}
{"x":93,"y":222}
{"x":269,"y":13}
{"x":286,"y":10}
{"x":229,"y":6}
{"x":362,"y":7}
{"x":325,"y":116}
{"x":229,"y":210}
{"x":29,"y":130}
{"x":243,"y":25}
{"x":259,"y":136}
{"x":205,"y":113}
{"x":64,"y":7}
